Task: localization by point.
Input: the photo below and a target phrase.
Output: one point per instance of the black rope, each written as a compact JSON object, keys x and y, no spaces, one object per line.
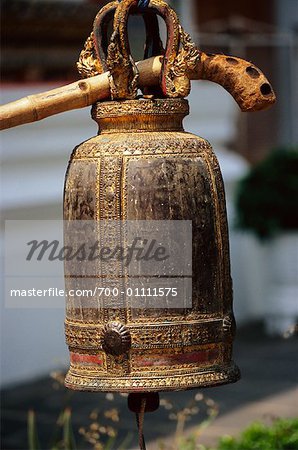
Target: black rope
{"x":142,"y":3}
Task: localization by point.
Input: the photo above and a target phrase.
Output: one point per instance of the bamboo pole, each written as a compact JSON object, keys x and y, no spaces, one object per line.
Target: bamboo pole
{"x":65,"y":98}
{"x":245,"y":82}
{"x":76,"y":95}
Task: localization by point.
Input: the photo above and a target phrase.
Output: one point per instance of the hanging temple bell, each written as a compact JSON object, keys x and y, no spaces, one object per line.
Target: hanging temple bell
{"x":143,"y":166}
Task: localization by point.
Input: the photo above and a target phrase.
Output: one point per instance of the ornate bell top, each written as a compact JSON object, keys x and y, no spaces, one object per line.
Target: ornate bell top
{"x":140,"y":115}
{"x":109,"y":70}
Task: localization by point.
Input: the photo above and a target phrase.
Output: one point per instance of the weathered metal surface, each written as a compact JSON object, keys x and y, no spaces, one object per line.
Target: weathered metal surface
{"x":143,"y":166}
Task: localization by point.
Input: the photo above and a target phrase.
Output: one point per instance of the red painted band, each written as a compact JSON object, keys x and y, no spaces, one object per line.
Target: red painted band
{"x":85,"y":359}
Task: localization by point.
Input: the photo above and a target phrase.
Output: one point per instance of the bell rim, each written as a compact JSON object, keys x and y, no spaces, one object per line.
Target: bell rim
{"x":130,"y":384}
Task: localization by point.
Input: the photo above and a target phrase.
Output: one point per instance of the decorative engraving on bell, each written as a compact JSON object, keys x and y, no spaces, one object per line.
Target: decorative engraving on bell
{"x":162,"y":166}
{"x":142,"y":165}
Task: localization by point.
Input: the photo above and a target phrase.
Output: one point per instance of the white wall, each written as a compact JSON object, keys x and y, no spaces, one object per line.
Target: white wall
{"x":286,"y":13}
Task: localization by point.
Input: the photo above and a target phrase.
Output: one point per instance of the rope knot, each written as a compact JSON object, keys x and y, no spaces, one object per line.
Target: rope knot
{"x":141,"y":3}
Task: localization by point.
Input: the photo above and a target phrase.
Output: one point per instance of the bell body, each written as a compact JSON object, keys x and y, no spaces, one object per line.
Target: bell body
{"x":143,"y":166}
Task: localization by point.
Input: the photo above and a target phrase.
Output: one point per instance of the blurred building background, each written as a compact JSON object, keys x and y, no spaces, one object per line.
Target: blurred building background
{"x":41,"y":41}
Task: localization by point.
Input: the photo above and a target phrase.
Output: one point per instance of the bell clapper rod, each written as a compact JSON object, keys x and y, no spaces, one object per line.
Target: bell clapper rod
{"x":245,"y":82}
{"x":140,"y":423}
{"x":141,"y":403}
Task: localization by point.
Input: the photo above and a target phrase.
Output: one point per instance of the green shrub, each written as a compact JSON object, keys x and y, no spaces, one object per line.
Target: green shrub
{"x":282,"y":435}
{"x":266,"y":201}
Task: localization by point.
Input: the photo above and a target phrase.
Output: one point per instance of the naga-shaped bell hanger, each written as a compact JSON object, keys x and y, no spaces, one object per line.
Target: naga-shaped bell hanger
{"x":242,"y":79}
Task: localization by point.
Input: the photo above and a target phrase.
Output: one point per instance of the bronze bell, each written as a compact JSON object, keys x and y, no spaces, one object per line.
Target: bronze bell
{"x":143,"y":166}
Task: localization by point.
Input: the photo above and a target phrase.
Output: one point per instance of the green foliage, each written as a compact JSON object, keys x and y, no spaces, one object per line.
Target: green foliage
{"x":267,"y":197}
{"x":101,"y":433}
{"x":64,"y":441}
{"x":33,"y":442}
{"x":282,"y":435}
{"x":64,"y":438}
{"x":199,"y":404}
{"x":68,"y":436}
